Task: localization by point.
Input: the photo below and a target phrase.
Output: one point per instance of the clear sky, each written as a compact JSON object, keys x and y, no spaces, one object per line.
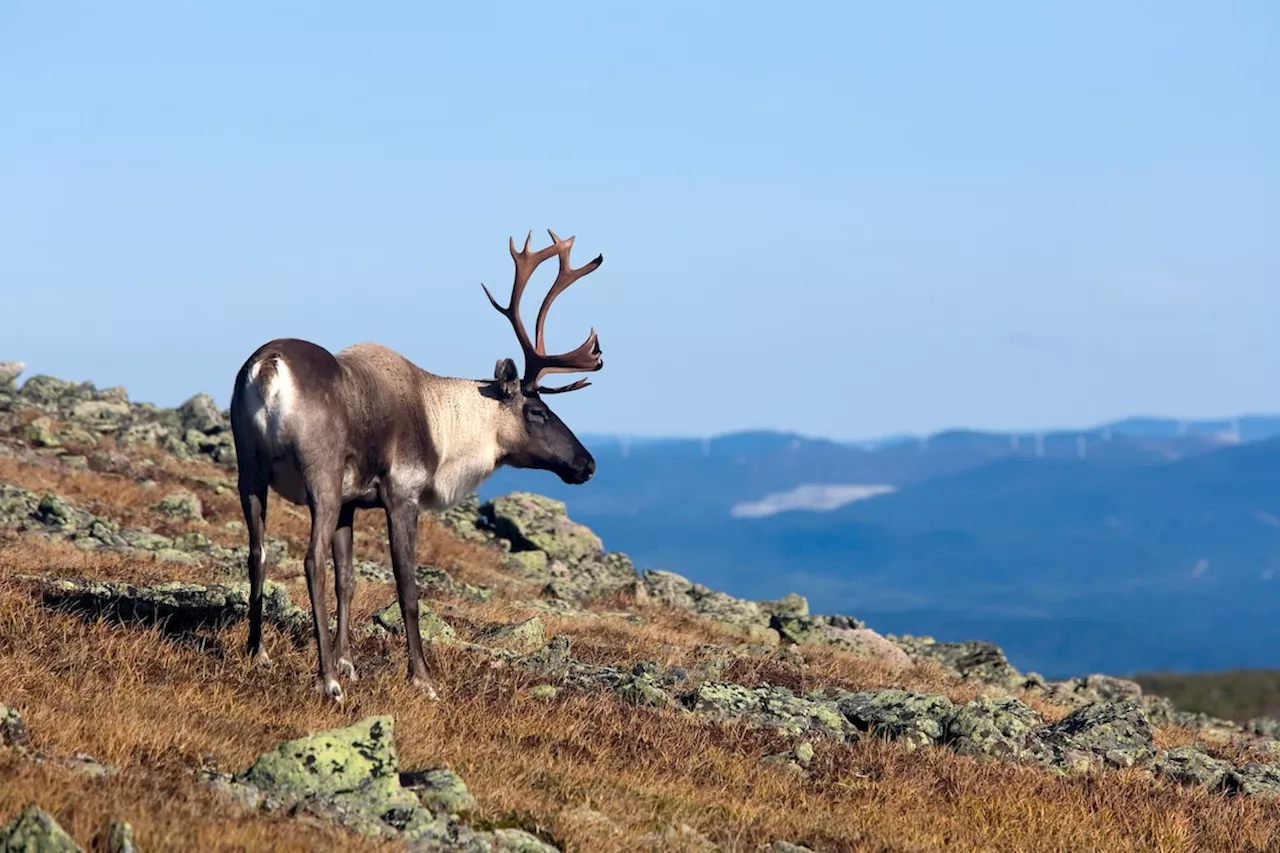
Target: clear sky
{"x":846,"y":219}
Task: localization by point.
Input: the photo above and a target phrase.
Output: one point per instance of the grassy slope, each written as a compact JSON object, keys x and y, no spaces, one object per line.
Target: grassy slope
{"x":161,"y":706}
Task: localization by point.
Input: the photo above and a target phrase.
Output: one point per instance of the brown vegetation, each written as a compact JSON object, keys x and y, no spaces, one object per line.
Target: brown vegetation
{"x":582,"y":768}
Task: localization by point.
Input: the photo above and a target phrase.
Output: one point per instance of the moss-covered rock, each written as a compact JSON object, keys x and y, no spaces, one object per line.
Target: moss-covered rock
{"x":34,"y":830}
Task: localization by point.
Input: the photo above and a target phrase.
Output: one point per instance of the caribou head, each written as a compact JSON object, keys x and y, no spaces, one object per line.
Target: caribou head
{"x":534,"y":436}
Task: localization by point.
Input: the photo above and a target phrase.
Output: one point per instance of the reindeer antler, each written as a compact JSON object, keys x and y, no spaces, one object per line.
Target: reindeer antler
{"x":586,"y":357}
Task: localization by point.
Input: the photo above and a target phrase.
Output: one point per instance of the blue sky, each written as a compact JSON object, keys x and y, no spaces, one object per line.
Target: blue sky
{"x":843,"y":219}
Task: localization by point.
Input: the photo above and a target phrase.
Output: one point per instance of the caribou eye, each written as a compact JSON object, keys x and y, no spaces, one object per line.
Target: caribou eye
{"x":537,"y":416}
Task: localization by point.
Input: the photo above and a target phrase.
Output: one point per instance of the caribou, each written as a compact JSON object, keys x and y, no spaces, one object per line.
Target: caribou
{"x":365,"y":428}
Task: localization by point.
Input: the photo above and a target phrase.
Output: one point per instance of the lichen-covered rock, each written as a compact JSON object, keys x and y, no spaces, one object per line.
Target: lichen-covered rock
{"x":120,"y":838}
{"x":34,"y":830}
{"x":9,"y":373}
{"x":1117,"y":732}
{"x":464,"y":520}
{"x":40,"y":432}
{"x":552,"y":660}
{"x":13,"y":731}
{"x":1191,"y":766}
{"x":608,"y":572}
{"x":859,"y":640}
{"x":678,"y":591}
{"x":975,"y":659}
{"x":176,"y":604}
{"x":641,"y":690}
{"x":440,"y":790}
{"x":767,"y":706}
{"x":798,"y":757}
{"x":918,"y":718}
{"x":202,"y":414}
{"x":998,"y":728}
{"x":349,"y":774}
{"x":791,"y":604}
{"x":431,"y":627}
{"x":1254,"y":779}
{"x":183,"y":505}
{"x":1268,"y":727}
{"x":526,"y":636}
{"x":510,"y":840}
{"x":532,"y":522}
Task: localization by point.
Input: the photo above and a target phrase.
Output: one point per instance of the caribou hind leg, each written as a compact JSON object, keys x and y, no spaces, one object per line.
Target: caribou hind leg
{"x":253,"y":500}
{"x":343,"y":587}
{"x":324,"y":500}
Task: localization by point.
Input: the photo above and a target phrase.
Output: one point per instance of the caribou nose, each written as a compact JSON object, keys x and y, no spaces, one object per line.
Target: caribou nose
{"x":587,"y":470}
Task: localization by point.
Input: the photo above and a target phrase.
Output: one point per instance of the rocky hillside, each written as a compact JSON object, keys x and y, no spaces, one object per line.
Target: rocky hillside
{"x":584,"y":706}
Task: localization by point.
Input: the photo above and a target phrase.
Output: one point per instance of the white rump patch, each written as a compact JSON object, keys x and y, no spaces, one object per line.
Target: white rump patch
{"x":268,"y":402}
{"x":811,"y":497}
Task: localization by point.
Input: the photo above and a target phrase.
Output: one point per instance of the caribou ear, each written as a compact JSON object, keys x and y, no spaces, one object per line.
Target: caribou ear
{"x":507,"y":376}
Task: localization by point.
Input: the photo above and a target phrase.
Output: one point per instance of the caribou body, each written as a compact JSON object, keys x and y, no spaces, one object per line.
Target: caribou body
{"x":366,"y":428}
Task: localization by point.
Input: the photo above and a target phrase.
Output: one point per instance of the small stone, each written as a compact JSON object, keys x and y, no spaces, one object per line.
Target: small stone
{"x":13,"y":731}
{"x":526,"y":636}
{"x":40,"y":433}
{"x":543,"y":691}
{"x":641,"y":690}
{"x":184,"y":505}
{"x":120,"y":838}
{"x":431,"y":627}
{"x":803,"y":753}
{"x":440,"y":790}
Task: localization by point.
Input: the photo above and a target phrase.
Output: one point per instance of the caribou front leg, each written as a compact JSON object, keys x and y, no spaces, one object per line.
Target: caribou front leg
{"x":402,"y":524}
{"x":344,"y":580}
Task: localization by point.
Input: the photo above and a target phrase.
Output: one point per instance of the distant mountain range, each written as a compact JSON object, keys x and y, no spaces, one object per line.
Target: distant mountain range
{"x":1149,"y":543}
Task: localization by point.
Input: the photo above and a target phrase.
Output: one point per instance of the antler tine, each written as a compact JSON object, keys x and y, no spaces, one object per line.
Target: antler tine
{"x":586,"y":356}
{"x":566,"y":276}
{"x":525,"y":265}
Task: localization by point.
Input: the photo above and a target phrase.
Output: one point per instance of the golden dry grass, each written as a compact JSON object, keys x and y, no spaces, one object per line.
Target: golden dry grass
{"x":582,"y":768}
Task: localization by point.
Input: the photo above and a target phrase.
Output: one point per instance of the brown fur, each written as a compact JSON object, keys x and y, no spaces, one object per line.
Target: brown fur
{"x":366,"y":428}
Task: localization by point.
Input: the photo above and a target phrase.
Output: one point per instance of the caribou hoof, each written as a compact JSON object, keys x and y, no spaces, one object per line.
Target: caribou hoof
{"x":330,"y":689}
{"x":347,"y":669}
{"x":261,"y":659}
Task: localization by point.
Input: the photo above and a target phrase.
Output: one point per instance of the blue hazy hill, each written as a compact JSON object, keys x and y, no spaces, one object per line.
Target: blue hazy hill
{"x":1142,"y":544}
